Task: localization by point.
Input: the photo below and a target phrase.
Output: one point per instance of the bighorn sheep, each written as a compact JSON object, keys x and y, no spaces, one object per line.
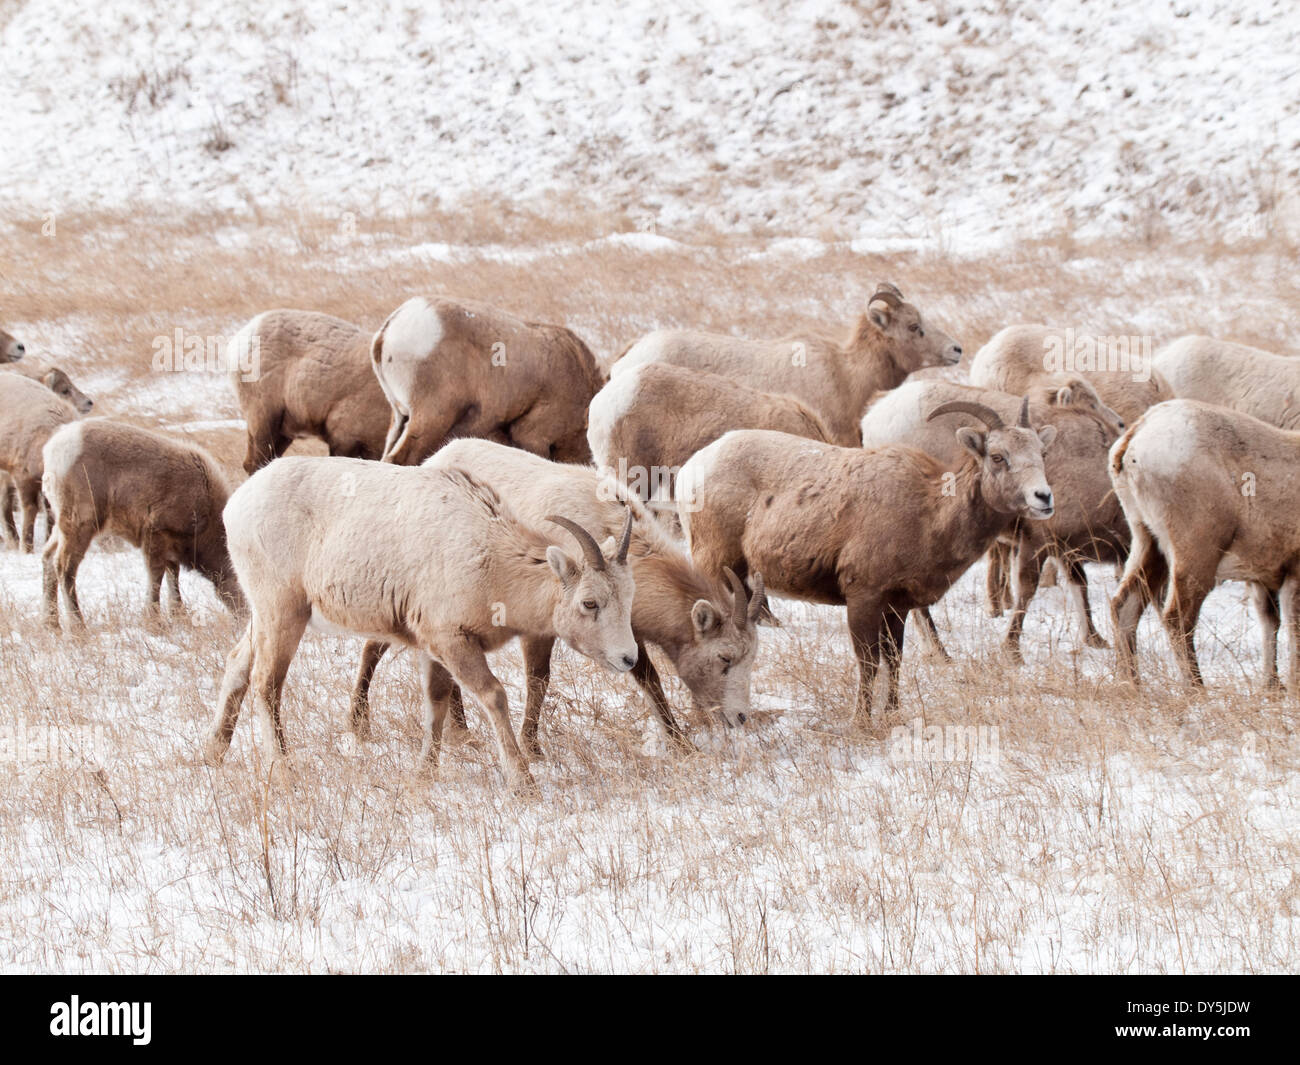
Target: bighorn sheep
{"x":11,"y":350}
{"x":836,"y":378}
{"x":651,"y":418}
{"x":312,"y":379}
{"x":29,"y":415}
{"x":61,"y":385}
{"x":165,"y":496}
{"x":706,"y":629}
{"x":1211,"y":495}
{"x":881,"y":532}
{"x":1088,"y":524}
{"x":452,"y":369}
{"x":426,"y":558}
{"x":1015,"y":359}
{"x":1255,"y":382}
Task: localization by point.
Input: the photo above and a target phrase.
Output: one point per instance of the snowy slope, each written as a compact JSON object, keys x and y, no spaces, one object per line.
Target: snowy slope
{"x":953,"y":122}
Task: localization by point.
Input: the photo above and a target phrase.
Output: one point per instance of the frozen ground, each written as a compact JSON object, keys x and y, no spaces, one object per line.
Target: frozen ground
{"x":953,"y":123}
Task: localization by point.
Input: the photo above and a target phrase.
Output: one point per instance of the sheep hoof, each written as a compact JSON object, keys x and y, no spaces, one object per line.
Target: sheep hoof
{"x":523,"y":786}
{"x":532,"y":750}
{"x":1097,"y":642}
{"x":214,"y":752}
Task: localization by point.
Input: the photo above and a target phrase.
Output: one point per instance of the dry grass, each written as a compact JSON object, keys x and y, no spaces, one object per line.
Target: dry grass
{"x":1119,"y":830}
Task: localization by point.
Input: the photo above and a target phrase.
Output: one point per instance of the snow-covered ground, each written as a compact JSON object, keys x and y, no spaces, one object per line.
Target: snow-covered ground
{"x":952,"y":123}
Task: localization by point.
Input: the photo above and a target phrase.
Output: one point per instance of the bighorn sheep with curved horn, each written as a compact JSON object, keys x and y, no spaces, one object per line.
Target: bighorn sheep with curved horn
{"x":1088,"y":524}
{"x":879,"y":531}
{"x":707,"y":630}
{"x":449,"y":571}
{"x":835,"y":378}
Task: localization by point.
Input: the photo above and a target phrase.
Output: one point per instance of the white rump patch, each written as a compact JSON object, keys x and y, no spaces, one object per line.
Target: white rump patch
{"x":61,"y":452}
{"x":411,"y":336}
{"x":608,"y":407}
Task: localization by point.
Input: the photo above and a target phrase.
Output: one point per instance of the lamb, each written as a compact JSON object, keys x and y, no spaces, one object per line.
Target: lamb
{"x":11,"y":350}
{"x":29,"y":415}
{"x":707,"y":630}
{"x":312,"y":380}
{"x":58,"y":382}
{"x":835,"y":378}
{"x":1088,"y":525}
{"x":452,"y":369}
{"x":426,"y":558}
{"x":1255,"y":382}
{"x":650,"y":419}
{"x":1020,"y":355}
{"x":1210,"y":495}
{"x":163,"y":495}
{"x":879,"y":531}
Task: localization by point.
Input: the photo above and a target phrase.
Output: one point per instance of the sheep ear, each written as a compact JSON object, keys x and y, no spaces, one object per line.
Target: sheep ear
{"x":880,"y":314}
{"x":972,"y":440}
{"x":1046,"y":435}
{"x":704,"y":617}
{"x":565,"y":568}
{"x":609,"y":548}
{"x":1064,"y":396}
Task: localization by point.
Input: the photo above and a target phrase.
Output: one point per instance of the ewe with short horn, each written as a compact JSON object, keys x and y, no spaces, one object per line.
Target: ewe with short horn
{"x":987,"y":415}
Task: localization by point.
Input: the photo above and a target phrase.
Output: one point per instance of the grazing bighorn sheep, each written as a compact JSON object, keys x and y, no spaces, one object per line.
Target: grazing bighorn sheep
{"x":429,"y":559}
{"x":11,"y":350}
{"x":165,"y":496}
{"x":1210,"y":495}
{"x":61,"y":385}
{"x":836,"y":378}
{"x":706,"y":629}
{"x":1088,"y":524}
{"x":452,"y":369}
{"x":880,"y":532}
{"x":1255,"y":382}
{"x":313,"y":380}
{"x":1018,"y":357}
{"x":651,"y":418}
{"x":29,"y":415}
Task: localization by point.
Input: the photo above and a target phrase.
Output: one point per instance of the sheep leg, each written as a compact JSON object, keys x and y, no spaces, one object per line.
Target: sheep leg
{"x":436,"y":687}
{"x":418,"y":440}
{"x":645,"y":674}
{"x":50,"y":580}
{"x":1145,"y":574}
{"x":1077,"y":577}
{"x":891,"y":649}
{"x":234,"y":686}
{"x":924,"y":623}
{"x":396,"y":426}
{"x":359,"y":715}
{"x":62,"y":557}
{"x":8,"y":501}
{"x":866,"y":618}
{"x":1290,"y":602}
{"x":274,"y":649}
{"x":537,"y":665}
{"x":29,"y":498}
{"x":175,"y":604}
{"x":995,"y":579}
{"x":155,"y":566}
{"x":1268,"y":610}
{"x":1027,"y":569}
{"x":265,"y":445}
{"x":467,"y":664}
{"x":1191,"y":582}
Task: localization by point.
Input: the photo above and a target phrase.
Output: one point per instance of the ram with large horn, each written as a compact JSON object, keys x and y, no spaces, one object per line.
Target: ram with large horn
{"x":836,"y":377}
{"x":706,"y":629}
{"x":879,"y":531}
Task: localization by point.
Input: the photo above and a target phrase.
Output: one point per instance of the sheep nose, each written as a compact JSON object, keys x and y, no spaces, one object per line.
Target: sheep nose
{"x":629,"y":661}
{"x":1044,"y":499}
{"x":956,"y":349}
{"x":20,"y":349}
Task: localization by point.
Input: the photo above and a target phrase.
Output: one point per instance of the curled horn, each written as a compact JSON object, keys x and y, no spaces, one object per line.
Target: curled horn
{"x":1023,"y":420}
{"x":626,"y":539}
{"x":739,"y":597}
{"x":888,"y":296}
{"x":985,"y":414}
{"x":891,"y":287}
{"x":758,"y":599}
{"x":590,"y":549}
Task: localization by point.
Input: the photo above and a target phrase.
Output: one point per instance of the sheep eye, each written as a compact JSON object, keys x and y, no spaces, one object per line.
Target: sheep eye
{"x":590,"y":605}
{"x":998,"y":460}
{"x":914,"y":328}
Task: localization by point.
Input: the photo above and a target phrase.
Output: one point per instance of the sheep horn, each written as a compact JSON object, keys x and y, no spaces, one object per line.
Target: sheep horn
{"x":739,"y":597}
{"x":1023,"y":420}
{"x":985,"y":414}
{"x":891,"y":287}
{"x":626,"y":540}
{"x":885,"y":296}
{"x":759,"y":599}
{"x":590,"y":549}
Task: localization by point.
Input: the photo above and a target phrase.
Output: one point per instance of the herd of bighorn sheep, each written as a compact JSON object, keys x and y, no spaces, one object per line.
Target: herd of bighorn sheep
{"x":488,"y":478}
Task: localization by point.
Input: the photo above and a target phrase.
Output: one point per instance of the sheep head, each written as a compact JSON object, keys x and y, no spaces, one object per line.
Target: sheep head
{"x":913,"y":344}
{"x":593,"y":613}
